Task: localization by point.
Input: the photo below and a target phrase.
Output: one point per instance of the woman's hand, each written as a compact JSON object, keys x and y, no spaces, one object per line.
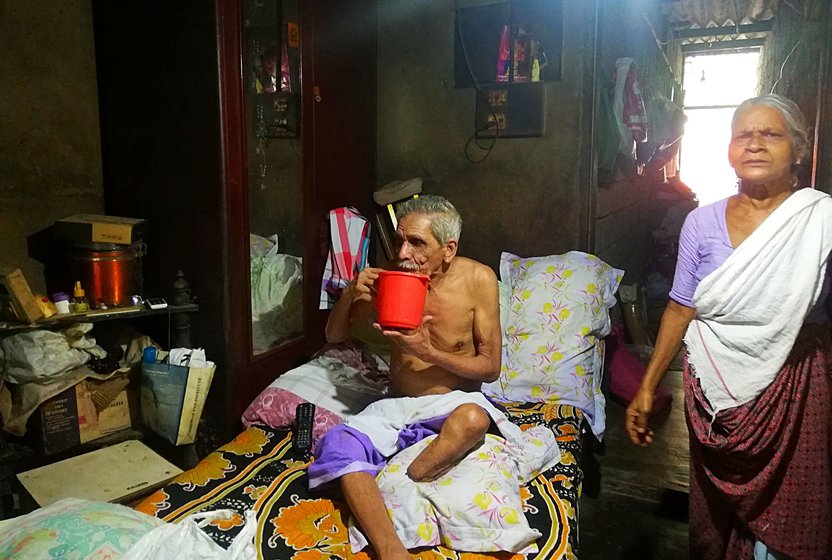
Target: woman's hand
{"x":415,"y":343}
{"x":675,"y":321}
{"x":637,"y":415}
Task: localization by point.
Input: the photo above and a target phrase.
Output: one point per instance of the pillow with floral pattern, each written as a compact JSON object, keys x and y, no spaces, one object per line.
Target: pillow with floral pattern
{"x":558,"y":315}
{"x":76,"y":529}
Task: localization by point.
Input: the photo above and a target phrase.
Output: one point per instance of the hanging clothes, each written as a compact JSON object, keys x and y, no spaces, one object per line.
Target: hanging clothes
{"x":628,"y":105}
{"x":349,"y":241}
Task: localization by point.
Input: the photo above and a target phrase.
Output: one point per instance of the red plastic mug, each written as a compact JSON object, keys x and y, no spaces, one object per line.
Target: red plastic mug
{"x":400,"y":299}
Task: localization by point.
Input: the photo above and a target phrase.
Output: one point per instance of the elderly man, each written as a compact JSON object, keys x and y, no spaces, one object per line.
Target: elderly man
{"x":444,"y":363}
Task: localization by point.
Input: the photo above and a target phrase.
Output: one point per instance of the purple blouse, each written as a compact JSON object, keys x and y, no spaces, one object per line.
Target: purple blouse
{"x":703,"y":246}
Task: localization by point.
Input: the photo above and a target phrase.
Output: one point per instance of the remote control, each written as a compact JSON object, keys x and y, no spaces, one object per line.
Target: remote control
{"x":302,"y":438}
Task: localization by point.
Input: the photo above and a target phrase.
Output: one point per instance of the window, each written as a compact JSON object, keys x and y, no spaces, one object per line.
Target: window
{"x":714,"y":85}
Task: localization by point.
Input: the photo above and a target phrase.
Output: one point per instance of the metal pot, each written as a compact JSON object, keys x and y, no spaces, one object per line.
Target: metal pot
{"x":110,"y":274}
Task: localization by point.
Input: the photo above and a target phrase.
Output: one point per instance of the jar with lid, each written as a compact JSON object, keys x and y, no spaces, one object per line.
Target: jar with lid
{"x":61,"y":301}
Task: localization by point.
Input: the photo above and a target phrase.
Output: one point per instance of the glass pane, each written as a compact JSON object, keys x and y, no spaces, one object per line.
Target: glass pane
{"x":704,"y":162}
{"x":720,"y":79}
{"x":714,"y":85}
{"x":271,"y":62}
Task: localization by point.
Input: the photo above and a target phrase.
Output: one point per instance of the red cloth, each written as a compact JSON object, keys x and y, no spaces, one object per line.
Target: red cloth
{"x":633,"y":112}
{"x":763,"y":470}
{"x":626,"y":372}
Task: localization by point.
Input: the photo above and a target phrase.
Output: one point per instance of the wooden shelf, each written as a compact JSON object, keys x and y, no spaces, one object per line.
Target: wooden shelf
{"x":95,"y":316}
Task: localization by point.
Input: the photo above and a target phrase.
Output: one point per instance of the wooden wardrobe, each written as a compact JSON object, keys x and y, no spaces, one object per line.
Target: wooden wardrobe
{"x":172,"y":86}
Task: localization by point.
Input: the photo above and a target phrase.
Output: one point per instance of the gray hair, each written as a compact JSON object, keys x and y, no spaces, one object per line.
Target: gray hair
{"x":445,"y":222}
{"x":792,"y":116}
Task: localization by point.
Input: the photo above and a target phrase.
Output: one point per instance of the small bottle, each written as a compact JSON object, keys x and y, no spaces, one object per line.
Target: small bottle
{"x":149,"y":355}
{"x":78,"y":303}
{"x":504,"y":55}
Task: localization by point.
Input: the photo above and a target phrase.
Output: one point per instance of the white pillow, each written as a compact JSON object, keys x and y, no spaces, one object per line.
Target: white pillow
{"x":341,"y":381}
{"x":559,"y":312}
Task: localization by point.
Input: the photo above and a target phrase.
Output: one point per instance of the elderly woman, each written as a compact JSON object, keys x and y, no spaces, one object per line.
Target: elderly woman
{"x":749,"y":300}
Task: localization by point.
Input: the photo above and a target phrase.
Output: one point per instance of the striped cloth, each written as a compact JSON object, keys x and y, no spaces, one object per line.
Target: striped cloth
{"x":349,"y":240}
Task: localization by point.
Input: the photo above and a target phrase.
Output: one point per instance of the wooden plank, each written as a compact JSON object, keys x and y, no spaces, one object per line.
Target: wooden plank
{"x":114,"y":474}
{"x":726,"y":31}
{"x":723,"y":46}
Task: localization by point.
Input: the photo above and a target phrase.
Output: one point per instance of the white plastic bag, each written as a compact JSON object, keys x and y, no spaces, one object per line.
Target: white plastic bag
{"x":39,"y":356}
{"x":186,"y":540}
{"x":276,"y":298}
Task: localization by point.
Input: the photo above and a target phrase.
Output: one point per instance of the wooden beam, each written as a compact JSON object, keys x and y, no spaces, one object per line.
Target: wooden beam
{"x":758,"y":27}
{"x":723,"y":45}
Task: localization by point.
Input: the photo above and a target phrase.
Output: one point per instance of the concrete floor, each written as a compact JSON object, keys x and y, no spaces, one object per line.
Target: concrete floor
{"x":634,"y":503}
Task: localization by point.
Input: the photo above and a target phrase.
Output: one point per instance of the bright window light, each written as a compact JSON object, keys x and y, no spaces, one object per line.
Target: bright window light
{"x":714,"y":85}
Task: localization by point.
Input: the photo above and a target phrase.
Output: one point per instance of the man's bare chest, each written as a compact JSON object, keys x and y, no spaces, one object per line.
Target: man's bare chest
{"x":452,"y":320}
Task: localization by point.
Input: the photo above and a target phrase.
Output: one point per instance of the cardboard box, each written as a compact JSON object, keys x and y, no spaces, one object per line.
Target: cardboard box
{"x":172,"y":399}
{"x":14,"y":290}
{"x":71,"y":418}
{"x":93,"y":228}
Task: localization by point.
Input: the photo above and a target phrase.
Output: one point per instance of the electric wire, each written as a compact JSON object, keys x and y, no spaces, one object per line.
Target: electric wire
{"x":790,"y":5}
{"x":783,"y":66}
{"x":473,"y":138}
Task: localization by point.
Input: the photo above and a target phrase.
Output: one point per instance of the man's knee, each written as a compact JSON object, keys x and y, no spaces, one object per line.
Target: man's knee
{"x":470,"y":419}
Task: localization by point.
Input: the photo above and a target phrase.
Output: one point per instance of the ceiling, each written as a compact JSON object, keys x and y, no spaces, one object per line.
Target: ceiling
{"x":706,"y":25}
{"x":718,"y":13}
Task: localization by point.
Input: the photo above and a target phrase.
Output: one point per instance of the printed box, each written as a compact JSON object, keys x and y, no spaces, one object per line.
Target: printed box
{"x":93,"y":228}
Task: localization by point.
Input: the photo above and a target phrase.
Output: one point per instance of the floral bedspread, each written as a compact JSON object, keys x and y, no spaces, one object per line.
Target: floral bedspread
{"x":259,"y":470}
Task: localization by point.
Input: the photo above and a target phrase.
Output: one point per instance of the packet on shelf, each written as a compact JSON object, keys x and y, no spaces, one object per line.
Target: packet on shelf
{"x":46,"y":307}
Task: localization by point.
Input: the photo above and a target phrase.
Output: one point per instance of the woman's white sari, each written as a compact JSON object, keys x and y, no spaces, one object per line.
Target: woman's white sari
{"x":750,"y":310}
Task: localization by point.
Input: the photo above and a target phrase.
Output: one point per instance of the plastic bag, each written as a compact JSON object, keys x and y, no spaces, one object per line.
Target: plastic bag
{"x":40,"y":356}
{"x":276,"y":298}
{"x":185,"y":540}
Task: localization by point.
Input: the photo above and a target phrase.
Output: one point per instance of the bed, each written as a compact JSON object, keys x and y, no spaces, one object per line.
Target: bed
{"x":554,"y":314}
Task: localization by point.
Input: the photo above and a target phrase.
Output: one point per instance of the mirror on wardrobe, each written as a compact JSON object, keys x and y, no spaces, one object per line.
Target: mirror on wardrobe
{"x":272,"y":102}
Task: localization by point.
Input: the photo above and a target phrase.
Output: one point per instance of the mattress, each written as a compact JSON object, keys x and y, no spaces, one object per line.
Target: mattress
{"x":259,"y":470}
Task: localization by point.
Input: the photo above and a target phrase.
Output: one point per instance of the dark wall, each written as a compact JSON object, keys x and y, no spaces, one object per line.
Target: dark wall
{"x":798,"y":44}
{"x":50,"y":153}
{"x":531,"y":195}
{"x":161,"y":147}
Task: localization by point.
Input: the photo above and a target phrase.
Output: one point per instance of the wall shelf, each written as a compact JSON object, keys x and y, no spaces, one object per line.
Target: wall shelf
{"x":96,"y":316}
